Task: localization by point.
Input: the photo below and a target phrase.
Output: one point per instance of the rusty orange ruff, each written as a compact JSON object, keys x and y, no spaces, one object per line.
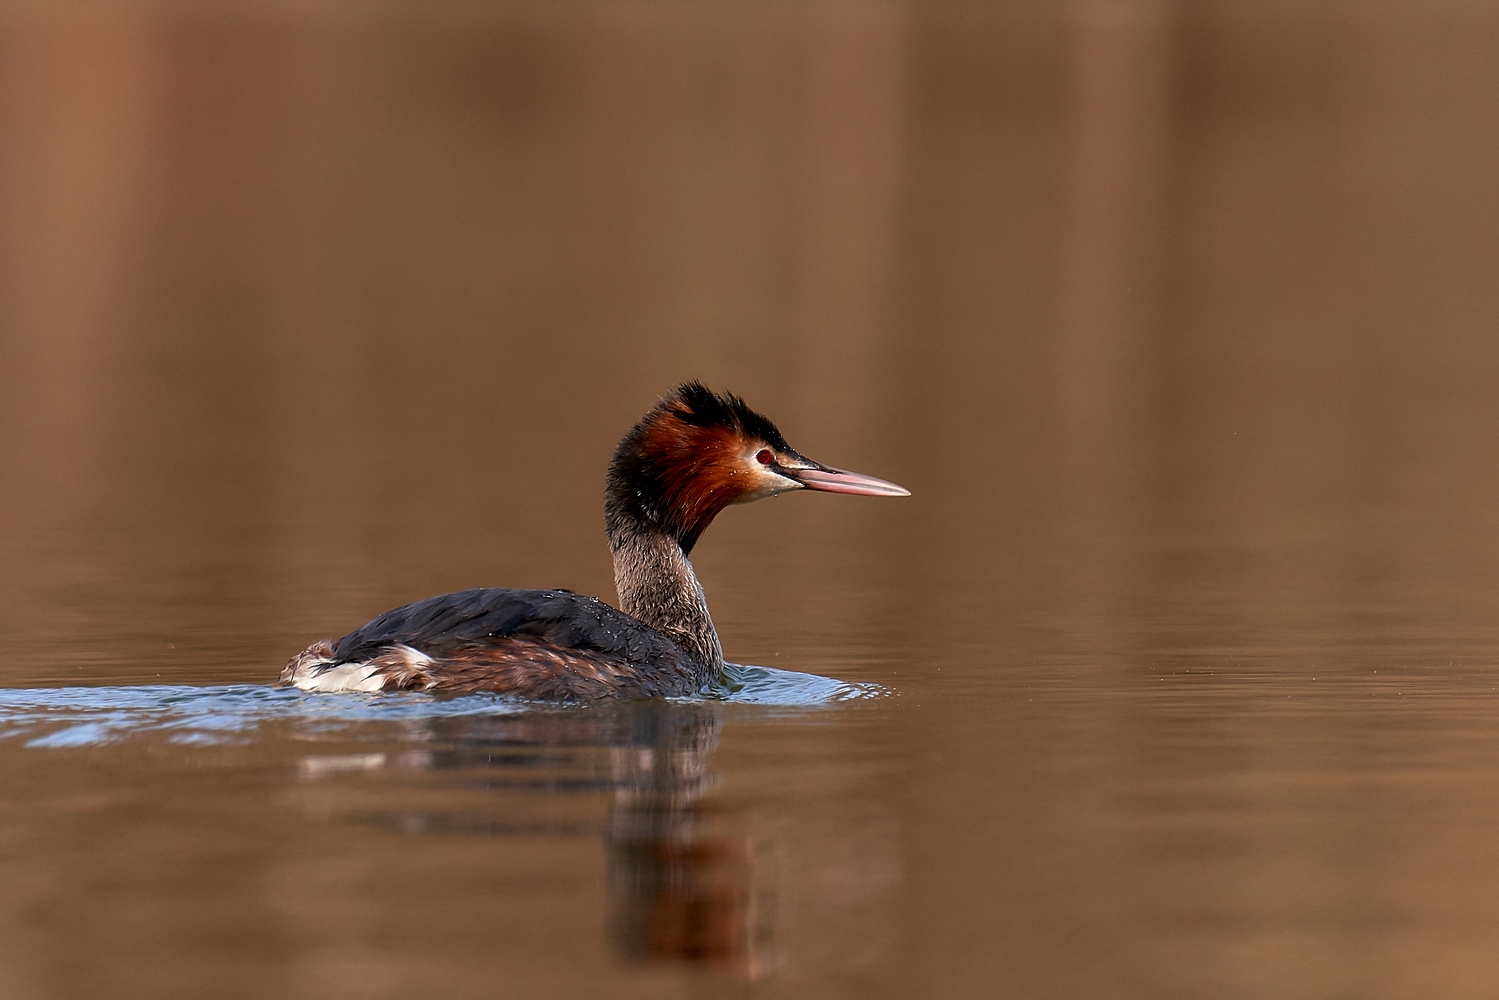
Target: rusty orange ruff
{"x":700,"y":469}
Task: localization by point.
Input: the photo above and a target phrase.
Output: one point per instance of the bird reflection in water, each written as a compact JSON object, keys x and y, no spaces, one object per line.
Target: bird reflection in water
{"x":681,"y":885}
{"x":686,"y":882}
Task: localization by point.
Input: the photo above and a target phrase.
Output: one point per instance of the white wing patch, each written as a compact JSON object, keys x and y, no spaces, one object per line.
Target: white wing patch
{"x":396,"y":662}
{"x":344,"y":677}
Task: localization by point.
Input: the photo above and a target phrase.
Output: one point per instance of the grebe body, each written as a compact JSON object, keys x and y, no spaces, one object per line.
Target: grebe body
{"x":695,"y":453}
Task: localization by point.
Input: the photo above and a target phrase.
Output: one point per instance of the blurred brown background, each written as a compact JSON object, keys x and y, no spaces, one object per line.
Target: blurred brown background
{"x":298,"y":302}
{"x":1179,"y":320}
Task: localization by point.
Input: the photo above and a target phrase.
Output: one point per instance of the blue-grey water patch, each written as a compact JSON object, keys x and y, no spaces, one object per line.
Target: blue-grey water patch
{"x":747,"y":684}
{"x":92,"y":716}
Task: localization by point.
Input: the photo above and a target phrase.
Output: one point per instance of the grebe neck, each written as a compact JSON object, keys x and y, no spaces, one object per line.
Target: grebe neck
{"x":657,"y":586}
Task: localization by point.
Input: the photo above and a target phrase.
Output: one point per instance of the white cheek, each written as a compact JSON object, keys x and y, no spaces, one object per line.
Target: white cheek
{"x":765,"y":483}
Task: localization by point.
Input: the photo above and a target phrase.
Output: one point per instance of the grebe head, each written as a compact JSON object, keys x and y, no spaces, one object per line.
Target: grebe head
{"x":696,"y":452}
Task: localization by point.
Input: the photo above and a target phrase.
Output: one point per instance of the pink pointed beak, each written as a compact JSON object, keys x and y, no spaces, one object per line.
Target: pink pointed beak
{"x":828,"y":480}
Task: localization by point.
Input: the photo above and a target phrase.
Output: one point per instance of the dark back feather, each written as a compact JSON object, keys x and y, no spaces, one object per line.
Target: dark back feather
{"x":444,"y":625}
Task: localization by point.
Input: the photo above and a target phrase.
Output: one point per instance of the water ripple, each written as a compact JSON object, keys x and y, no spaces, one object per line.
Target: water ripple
{"x":92,"y":716}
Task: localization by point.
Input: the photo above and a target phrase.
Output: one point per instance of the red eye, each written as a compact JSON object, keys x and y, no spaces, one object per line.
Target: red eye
{"x":765,"y":456}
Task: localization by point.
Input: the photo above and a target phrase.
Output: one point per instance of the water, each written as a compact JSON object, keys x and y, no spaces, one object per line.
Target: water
{"x":1176,"y":676}
{"x":77,"y":717}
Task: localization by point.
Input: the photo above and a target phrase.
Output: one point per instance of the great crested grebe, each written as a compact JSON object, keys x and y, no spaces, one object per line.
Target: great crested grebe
{"x":691,"y":456}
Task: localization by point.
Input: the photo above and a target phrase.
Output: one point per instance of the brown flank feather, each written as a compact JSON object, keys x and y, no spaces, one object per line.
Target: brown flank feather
{"x":525,"y":668}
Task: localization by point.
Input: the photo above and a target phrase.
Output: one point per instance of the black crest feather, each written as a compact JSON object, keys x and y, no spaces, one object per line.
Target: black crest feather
{"x":702,"y":407}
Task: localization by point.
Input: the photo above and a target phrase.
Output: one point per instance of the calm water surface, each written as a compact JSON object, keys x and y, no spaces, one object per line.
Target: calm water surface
{"x":1177,"y":676}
